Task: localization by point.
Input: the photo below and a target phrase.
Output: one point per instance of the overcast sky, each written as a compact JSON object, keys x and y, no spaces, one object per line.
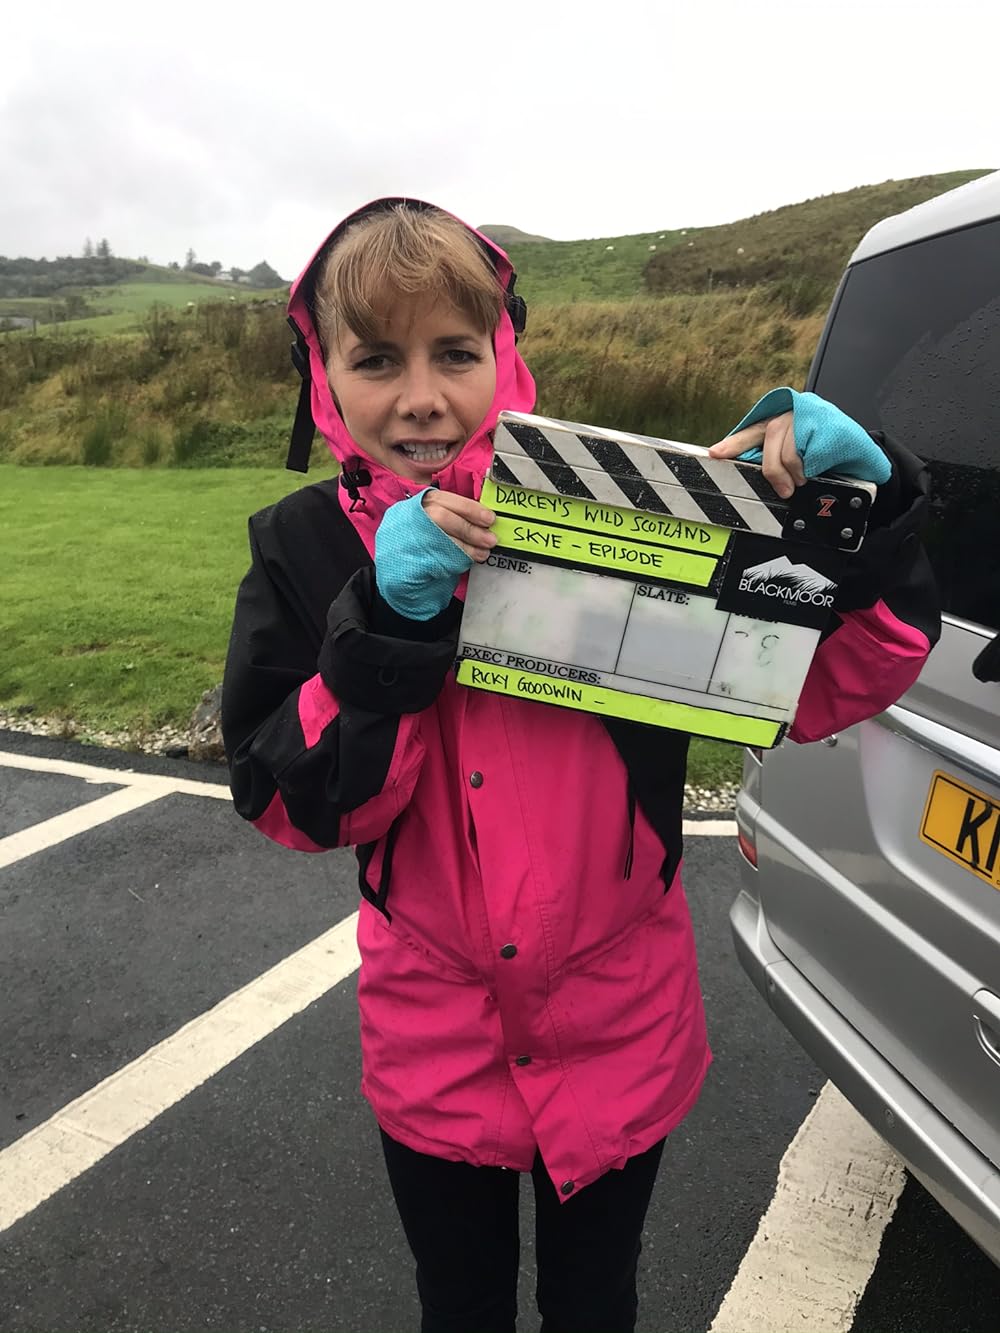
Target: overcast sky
{"x":246,"y":131}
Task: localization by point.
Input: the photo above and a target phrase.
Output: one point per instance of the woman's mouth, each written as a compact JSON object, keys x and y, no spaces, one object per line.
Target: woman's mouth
{"x":435,"y":451}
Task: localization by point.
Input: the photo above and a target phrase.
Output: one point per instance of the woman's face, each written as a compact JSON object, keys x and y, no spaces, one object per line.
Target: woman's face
{"x":414,"y":398}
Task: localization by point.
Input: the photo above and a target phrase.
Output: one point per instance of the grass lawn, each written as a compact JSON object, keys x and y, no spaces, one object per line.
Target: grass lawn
{"x":119,"y":587}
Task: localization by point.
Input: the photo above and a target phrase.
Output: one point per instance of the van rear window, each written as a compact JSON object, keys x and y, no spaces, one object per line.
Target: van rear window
{"x":914,"y":350}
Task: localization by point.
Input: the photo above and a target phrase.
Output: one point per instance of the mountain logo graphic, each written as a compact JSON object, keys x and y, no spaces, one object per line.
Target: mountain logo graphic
{"x":787,"y":582}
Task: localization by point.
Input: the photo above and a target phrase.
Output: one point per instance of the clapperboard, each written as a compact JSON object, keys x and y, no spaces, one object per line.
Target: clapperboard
{"x":639,"y":578}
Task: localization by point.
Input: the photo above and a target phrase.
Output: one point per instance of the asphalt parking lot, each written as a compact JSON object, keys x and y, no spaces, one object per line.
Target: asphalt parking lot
{"x":182,"y":1141}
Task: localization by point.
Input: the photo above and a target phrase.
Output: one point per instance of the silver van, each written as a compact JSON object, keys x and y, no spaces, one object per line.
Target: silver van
{"x":869,"y":913}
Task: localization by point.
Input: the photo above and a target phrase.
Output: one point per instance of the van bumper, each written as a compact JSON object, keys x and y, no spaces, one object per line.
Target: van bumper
{"x":963,"y":1181}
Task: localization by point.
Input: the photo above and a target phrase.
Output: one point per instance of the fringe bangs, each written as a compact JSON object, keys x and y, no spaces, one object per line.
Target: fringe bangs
{"x":403,"y":252}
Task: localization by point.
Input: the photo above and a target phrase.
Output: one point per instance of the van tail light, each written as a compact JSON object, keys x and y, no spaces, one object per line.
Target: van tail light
{"x":747,"y":846}
{"x":746,"y":836}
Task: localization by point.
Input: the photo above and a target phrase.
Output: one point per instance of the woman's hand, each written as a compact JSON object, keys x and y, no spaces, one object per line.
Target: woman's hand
{"x":465,"y":521}
{"x":799,"y":435}
{"x":781,"y":462}
{"x":424,"y":545}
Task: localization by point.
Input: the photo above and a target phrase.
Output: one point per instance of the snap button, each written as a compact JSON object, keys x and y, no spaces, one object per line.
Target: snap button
{"x":387,"y":676}
{"x":568,"y":1186}
{"x":476,"y":779}
{"x":508,"y":951}
{"x":523,"y":1060}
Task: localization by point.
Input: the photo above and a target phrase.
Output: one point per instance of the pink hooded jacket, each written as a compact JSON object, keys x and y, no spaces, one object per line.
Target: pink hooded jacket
{"x":528,"y":977}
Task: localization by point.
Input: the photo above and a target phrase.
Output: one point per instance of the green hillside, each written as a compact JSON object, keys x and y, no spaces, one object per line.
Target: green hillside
{"x":606,"y":269}
{"x":804,"y":246}
{"x":801,"y":247}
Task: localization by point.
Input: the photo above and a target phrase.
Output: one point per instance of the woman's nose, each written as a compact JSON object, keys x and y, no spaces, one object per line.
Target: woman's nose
{"x":420,"y":394}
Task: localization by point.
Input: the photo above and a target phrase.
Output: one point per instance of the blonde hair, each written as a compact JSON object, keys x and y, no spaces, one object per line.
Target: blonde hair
{"x":403,"y":251}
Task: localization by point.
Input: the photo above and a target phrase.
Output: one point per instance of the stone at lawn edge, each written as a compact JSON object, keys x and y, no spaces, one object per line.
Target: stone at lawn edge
{"x":205,"y":740}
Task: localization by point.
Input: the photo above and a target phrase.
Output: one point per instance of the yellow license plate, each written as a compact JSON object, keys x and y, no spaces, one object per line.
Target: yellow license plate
{"x":963,"y":825}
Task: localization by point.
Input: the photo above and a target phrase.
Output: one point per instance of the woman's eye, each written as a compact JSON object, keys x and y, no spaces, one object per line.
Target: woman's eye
{"x":460,"y":356}
{"x":375,"y":362}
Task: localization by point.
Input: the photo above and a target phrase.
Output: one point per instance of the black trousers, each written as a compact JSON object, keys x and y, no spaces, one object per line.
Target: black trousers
{"x":461,"y":1223}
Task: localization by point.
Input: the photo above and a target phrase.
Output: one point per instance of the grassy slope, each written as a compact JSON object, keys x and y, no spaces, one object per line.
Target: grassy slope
{"x":556,"y":271}
{"x":807,"y":243}
{"x":810,"y":240}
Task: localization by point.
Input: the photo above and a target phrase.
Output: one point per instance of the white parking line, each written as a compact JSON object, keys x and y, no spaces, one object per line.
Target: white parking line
{"x":706,"y":828}
{"x":77,"y":1137}
{"x":138,"y":789}
{"x":816,"y":1246}
{"x":127,"y":777}
{"x":38,"y":837}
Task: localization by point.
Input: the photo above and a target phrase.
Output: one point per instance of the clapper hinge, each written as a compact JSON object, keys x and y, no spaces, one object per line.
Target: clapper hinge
{"x":828,"y":514}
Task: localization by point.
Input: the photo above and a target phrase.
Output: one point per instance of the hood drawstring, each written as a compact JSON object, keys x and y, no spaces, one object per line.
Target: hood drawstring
{"x":353,"y":476}
{"x":631,"y":831}
{"x":303,"y":428}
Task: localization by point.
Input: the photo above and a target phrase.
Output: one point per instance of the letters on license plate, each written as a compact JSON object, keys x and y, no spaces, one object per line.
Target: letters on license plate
{"x":964,"y":825}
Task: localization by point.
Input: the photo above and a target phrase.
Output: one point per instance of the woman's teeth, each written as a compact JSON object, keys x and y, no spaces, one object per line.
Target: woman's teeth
{"x":425,"y":453}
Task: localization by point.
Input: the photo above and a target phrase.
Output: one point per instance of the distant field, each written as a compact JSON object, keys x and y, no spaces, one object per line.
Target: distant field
{"x":127,"y":302}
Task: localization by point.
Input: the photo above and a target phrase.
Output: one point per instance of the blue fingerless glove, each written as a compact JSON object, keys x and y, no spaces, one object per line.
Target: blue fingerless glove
{"x":827,"y":439}
{"x":416,"y":564}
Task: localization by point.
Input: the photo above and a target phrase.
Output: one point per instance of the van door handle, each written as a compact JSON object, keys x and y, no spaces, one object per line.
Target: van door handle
{"x":986,"y":667}
{"x":986,"y":1020}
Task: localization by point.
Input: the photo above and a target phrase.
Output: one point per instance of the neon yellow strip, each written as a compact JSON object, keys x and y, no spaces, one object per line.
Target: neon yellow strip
{"x":589,"y":516}
{"x":617,"y":703}
{"x":603,"y":552}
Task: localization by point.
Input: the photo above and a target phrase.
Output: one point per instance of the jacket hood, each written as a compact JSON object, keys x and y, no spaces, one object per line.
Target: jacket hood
{"x":368,"y":486}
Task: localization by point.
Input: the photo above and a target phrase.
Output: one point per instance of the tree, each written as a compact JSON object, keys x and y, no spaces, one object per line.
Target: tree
{"x":76,"y":306}
{"x":216,"y":267}
{"x":88,"y":248}
{"x":189,"y":259}
{"x":263,"y":275}
{"x":173,"y":264}
{"x":103,"y":249}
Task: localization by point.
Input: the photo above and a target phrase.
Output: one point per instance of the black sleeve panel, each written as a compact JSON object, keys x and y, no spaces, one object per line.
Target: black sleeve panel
{"x":387,"y":672}
{"x":891,"y":565}
{"x":303,"y":551}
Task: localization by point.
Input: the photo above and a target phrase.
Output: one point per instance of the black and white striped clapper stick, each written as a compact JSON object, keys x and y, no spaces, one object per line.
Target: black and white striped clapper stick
{"x":657,"y":476}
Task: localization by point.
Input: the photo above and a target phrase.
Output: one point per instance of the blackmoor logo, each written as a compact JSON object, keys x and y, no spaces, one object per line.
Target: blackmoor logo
{"x":786,"y":582}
